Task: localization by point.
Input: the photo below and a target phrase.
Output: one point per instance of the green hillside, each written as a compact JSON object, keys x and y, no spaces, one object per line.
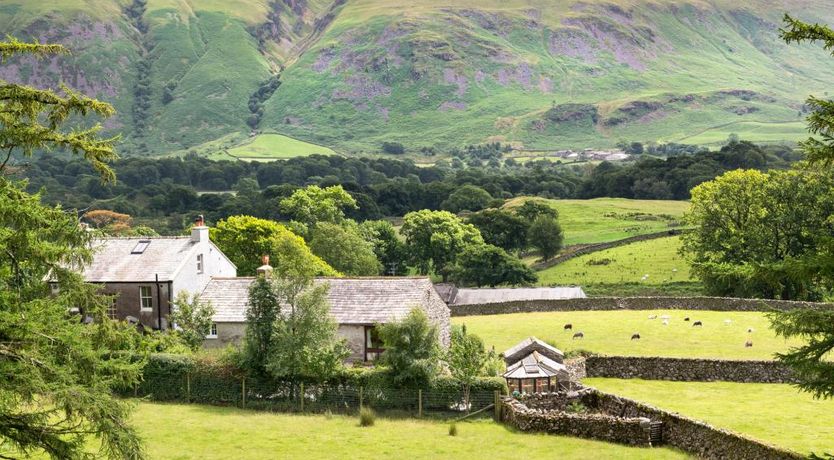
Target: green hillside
{"x":355,"y":73}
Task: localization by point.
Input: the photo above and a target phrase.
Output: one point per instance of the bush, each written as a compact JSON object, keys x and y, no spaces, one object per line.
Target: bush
{"x":453,"y":429}
{"x":367,"y":417}
{"x":577,"y":407}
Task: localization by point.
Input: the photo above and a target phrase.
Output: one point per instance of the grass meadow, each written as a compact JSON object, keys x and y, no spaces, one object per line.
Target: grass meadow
{"x":608,"y":219}
{"x":599,"y":273}
{"x":175,"y":431}
{"x":774,"y":413}
{"x":277,"y":147}
{"x":609,"y":333}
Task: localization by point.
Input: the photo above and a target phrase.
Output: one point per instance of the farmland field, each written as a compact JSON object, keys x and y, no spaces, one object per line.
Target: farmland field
{"x":608,"y":219}
{"x":777,"y":414}
{"x":277,"y":147}
{"x":609,"y":333}
{"x":602,"y":271}
{"x":202,"y":432}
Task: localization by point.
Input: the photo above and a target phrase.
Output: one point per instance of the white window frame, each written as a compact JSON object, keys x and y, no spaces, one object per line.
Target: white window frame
{"x":200,"y":263}
{"x":142,"y":298}
{"x":212,"y":331}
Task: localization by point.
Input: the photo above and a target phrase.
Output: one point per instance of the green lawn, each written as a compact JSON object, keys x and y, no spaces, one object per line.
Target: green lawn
{"x":658,"y":258}
{"x":777,"y":414}
{"x":175,"y":431}
{"x":277,"y":147}
{"x":608,"y":219}
{"x":609,"y":333}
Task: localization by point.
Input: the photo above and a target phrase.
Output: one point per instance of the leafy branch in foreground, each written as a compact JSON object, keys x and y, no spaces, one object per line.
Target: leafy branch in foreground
{"x":816,"y":327}
{"x":32,"y":119}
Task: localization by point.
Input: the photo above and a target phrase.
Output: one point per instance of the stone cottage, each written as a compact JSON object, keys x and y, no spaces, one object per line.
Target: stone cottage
{"x":357,"y":305}
{"x":146,"y":274}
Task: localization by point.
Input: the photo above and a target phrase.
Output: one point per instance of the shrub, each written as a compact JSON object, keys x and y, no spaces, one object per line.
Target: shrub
{"x":453,"y":429}
{"x":367,"y":417}
{"x":577,"y":407}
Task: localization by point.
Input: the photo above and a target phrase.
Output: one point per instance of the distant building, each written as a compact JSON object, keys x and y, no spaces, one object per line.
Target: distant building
{"x":357,"y":305}
{"x":146,"y":274}
{"x":483,"y":296}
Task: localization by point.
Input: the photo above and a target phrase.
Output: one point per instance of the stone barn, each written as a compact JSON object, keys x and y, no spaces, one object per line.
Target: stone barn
{"x":357,"y":305}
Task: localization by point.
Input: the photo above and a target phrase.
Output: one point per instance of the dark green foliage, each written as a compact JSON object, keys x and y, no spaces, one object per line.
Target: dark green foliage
{"x":545,"y":235}
{"x":193,"y":319}
{"x":344,"y":249}
{"x":389,"y":249}
{"x":261,"y":314}
{"x":532,"y":209}
{"x":488,"y":265}
{"x":815,"y":326}
{"x":503,"y":228}
{"x":467,"y":198}
{"x":453,"y":429}
{"x":259,"y":97}
{"x":435,"y":238}
{"x":412,"y":350}
{"x":394,"y":148}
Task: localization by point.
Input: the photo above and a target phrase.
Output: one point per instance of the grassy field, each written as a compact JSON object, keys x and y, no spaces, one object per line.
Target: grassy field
{"x":609,"y":332}
{"x":777,"y":414}
{"x":603,"y":271}
{"x":277,"y":147}
{"x":199,"y":432}
{"x":608,"y":219}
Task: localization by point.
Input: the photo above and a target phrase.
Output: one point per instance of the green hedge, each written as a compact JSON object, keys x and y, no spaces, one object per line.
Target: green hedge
{"x":188,"y":379}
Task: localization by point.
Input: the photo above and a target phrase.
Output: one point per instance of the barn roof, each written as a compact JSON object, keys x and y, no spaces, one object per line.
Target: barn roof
{"x":352,"y":300}
{"x":137,"y":259}
{"x":478,"y":296}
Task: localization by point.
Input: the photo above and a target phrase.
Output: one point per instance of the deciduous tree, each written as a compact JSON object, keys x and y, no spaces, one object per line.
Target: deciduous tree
{"x":545,"y":235}
{"x":435,"y":238}
{"x":488,"y":265}
{"x":412,"y":349}
{"x":192,"y":318}
{"x":344,"y":249}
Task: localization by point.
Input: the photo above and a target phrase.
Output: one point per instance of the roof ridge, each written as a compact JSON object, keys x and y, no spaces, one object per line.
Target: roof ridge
{"x":108,"y":238}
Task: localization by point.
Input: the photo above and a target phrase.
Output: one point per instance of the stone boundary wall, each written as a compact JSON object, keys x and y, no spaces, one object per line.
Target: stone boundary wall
{"x":693,"y":436}
{"x":603,"y":427}
{"x":687,"y":369}
{"x":595,"y":247}
{"x":633,"y":303}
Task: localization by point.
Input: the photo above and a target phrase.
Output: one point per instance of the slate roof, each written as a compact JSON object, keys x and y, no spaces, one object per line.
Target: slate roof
{"x":352,"y":300}
{"x":479,"y":296}
{"x":113,"y":261}
{"x":529,"y":345}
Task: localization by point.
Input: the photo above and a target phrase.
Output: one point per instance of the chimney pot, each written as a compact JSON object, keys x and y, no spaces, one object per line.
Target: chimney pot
{"x":199,"y":232}
{"x":264,"y":270}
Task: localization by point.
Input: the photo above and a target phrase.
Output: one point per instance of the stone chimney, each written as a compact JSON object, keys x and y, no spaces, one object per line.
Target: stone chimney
{"x":265,"y":270}
{"x":199,"y":232}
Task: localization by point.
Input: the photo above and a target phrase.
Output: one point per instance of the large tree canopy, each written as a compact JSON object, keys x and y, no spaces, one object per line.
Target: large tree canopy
{"x":435,"y":238}
{"x":344,"y":248}
{"x":245,"y":239}
{"x":57,"y":374}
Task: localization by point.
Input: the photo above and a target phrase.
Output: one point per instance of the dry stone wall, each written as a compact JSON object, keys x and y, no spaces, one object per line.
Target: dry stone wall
{"x":633,"y":303}
{"x":621,"y":420}
{"x":688,"y":370}
{"x":693,"y":436}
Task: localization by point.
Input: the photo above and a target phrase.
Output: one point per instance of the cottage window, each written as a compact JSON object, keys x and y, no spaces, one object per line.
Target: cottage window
{"x":373,"y":344}
{"x":199,"y":263}
{"x":212,"y":331}
{"x":145,"y":299}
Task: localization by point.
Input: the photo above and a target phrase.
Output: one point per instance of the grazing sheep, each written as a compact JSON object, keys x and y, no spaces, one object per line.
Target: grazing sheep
{"x":665,"y":322}
{"x":727,"y":322}
{"x":697,"y":323}
{"x":686,"y":319}
{"x":569,"y":327}
{"x":635,"y":336}
{"x":652,"y":316}
{"x":748,"y":344}
{"x":749,"y":330}
{"x":665,"y":317}
{"x":579,"y":335}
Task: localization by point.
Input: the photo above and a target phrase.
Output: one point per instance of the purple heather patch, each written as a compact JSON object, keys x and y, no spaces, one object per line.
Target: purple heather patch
{"x":450,"y":76}
{"x":446,"y":106}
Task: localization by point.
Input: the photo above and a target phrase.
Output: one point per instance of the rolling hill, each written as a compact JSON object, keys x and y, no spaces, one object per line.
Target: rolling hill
{"x":351,"y":74}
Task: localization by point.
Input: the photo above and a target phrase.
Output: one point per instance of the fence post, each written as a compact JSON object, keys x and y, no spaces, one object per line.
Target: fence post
{"x":188,"y":387}
{"x":497,"y":406}
{"x":302,"y":397}
{"x":243,"y":392}
{"x":361,"y":399}
{"x":419,"y":402}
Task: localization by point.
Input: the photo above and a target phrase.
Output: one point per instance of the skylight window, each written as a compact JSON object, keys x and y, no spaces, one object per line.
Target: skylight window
{"x":140,"y":247}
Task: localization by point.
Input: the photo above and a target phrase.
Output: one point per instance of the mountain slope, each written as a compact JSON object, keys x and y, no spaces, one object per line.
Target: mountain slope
{"x":356,"y":73}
